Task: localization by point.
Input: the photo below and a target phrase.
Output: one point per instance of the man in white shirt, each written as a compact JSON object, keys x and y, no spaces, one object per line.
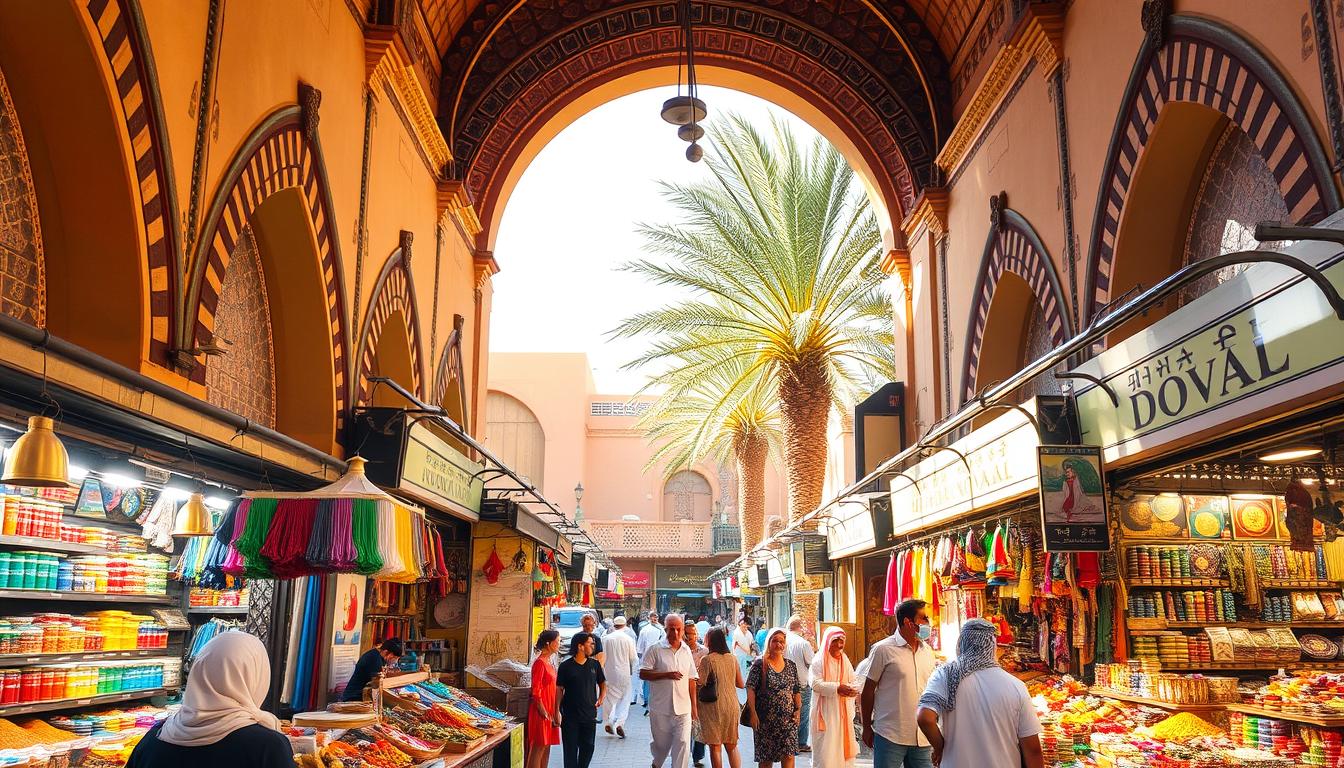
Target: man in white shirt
{"x":798,"y":649}
{"x":619,"y":666}
{"x":651,"y":635}
{"x":669,"y":669}
{"x":974,"y":713}
{"x":897,"y":671}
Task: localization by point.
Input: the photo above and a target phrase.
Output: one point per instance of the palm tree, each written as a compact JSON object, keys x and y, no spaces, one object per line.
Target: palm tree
{"x":780,"y":248}
{"x":707,"y":413}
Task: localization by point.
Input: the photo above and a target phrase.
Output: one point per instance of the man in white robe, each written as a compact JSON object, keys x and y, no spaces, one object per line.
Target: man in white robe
{"x":619,"y":667}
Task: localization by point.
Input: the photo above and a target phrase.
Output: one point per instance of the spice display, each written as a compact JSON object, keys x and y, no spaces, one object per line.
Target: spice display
{"x":56,"y":633}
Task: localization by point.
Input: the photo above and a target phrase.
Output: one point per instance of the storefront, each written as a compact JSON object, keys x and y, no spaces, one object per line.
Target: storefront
{"x":685,"y":589}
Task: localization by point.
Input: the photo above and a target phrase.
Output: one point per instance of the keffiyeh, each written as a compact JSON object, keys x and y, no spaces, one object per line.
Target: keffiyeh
{"x":975,"y":651}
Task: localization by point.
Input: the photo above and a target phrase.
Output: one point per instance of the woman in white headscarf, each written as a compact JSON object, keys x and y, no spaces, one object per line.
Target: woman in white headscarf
{"x":831,"y":726}
{"x":220,"y":723}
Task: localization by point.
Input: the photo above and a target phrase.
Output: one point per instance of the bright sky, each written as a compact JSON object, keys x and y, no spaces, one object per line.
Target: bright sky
{"x":570,"y":224}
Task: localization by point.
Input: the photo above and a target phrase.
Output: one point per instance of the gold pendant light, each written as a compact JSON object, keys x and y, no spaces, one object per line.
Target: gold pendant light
{"x":38,"y":459}
{"x":193,"y":519}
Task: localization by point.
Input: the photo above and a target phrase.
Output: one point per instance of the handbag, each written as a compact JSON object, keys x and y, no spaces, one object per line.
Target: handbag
{"x":745,"y":719}
{"x":709,"y":692}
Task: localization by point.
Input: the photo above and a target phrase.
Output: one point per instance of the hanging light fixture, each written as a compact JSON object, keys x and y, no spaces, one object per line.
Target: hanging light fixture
{"x":193,"y":519}
{"x":687,"y":110}
{"x":38,"y":459}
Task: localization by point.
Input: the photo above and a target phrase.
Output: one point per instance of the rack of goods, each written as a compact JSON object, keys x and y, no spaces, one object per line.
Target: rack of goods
{"x":102,"y":738}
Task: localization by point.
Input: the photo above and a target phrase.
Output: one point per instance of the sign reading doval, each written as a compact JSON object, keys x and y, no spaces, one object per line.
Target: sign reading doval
{"x":434,"y":472}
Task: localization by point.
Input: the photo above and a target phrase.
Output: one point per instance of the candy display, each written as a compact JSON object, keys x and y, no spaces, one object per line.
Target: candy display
{"x":72,"y":681}
{"x":57,"y":633}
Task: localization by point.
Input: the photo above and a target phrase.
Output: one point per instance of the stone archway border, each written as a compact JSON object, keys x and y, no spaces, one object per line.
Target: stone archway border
{"x":392,"y":291}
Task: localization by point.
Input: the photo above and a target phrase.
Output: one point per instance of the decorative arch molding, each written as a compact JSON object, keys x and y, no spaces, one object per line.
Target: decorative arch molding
{"x":125,"y":45}
{"x":520,"y":64}
{"x":451,"y":369}
{"x":1013,"y":246}
{"x":1199,"y":61}
{"x":393,"y":292}
{"x":282,"y":153}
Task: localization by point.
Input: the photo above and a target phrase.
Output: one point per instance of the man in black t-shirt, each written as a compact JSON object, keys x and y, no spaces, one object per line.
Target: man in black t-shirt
{"x":580,"y":685}
{"x":369,"y":665}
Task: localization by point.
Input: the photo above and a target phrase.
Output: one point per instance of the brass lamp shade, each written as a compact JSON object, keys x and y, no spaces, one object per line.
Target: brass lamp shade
{"x":680,"y":110}
{"x":193,"y":519}
{"x":38,"y":459}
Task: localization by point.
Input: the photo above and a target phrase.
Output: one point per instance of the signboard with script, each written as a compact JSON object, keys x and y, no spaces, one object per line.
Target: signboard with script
{"x":637,"y":579}
{"x":1000,"y":464}
{"x":1258,"y":341}
{"x":1073,"y":498}
{"x":435,"y":473}
{"x":816,"y":559}
{"x":803,"y":581}
{"x":683,"y":577}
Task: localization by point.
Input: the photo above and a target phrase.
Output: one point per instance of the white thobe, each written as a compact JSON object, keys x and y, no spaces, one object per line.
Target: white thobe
{"x":828,"y":749}
{"x":619,"y":668}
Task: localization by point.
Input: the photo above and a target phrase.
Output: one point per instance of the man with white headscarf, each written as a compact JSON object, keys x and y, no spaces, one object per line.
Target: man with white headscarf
{"x":987,"y":719}
{"x":221,"y":723}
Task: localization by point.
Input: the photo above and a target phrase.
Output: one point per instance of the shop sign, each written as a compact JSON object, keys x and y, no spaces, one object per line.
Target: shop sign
{"x":816,"y":558}
{"x":803,"y":580}
{"x":683,"y":577}
{"x":564,"y":550}
{"x":1258,"y":340}
{"x":858,"y":524}
{"x":1000,"y":464}
{"x":434,"y":472}
{"x":637,"y":579}
{"x":767,"y":574}
{"x":1073,"y":498}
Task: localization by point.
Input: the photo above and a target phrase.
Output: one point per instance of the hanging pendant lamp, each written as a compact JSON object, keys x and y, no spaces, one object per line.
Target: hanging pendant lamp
{"x":687,"y":110}
{"x":193,"y":519}
{"x":38,"y":459}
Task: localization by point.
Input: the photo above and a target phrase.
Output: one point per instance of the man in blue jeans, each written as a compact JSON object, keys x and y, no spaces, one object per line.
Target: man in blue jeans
{"x":898,"y":669}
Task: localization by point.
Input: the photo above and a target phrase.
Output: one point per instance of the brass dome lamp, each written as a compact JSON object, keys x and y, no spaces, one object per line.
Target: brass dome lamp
{"x":37,"y":459}
{"x":193,"y":518}
{"x":687,"y":110}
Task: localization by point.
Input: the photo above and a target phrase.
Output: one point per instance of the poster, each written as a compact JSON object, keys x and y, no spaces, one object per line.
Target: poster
{"x":1073,"y":498}
{"x":347,"y":627}
{"x":501,"y":615}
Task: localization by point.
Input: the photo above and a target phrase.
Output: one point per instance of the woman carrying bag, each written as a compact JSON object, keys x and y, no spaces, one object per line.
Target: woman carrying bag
{"x":720,"y":678}
{"x":775,"y":699}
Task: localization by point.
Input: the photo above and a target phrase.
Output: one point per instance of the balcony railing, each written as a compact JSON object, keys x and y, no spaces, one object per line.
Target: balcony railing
{"x":727,"y":540}
{"x":621,"y":538}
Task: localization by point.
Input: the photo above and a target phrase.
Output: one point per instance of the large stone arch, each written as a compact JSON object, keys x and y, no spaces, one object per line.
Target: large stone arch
{"x":1012,"y":247}
{"x":276,"y":185}
{"x":1198,"y":61}
{"x":389,"y":342}
{"x":518,"y":66}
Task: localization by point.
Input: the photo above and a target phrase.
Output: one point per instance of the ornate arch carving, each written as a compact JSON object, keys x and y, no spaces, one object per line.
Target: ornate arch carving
{"x":1012,"y":246}
{"x":282,"y":153}
{"x":392,"y":292}
{"x":1196,"y":60}
{"x":451,"y":367}
{"x":124,"y":44}
{"x":516,"y":65}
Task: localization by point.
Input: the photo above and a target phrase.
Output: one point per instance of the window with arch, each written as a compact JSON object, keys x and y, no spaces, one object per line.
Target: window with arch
{"x":513,"y":433}
{"x":687,"y":496}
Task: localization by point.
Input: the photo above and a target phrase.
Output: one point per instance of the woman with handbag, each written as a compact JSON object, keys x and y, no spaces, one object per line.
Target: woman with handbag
{"x":775,"y":698}
{"x":720,"y":677}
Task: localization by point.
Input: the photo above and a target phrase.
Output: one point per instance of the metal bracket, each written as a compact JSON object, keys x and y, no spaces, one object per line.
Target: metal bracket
{"x":1107,"y":388}
{"x":970,"y":479}
{"x":1269,"y":231}
{"x":1031,"y":417}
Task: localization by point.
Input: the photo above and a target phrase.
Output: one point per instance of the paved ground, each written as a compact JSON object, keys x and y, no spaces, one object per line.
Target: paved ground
{"x":633,"y":750}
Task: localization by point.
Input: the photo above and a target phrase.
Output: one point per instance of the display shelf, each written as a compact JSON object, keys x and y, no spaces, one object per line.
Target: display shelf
{"x":217,"y":610}
{"x":49,"y":545}
{"x":1257,"y":624}
{"x":101,"y":522}
{"x":1296,"y":717}
{"x":29,"y":659}
{"x":1177,"y":582}
{"x":84,"y":597}
{"x":1168,"y":705}
{"x":52,"y":706}
{"x":1256,"y":665}
{"x":1299,"y":584}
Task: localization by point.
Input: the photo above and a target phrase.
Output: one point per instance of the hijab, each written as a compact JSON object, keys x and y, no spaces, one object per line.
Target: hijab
{"x":834,"y":670}
{"x":975,"y":651}
{"x":225,"y":688}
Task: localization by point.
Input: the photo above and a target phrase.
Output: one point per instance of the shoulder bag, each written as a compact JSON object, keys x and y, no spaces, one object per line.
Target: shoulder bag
{"x":708,"y":693}
{"x":745,"y":719}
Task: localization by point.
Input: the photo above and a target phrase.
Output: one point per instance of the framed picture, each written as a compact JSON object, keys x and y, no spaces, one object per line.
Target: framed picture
{"x":1073,"y":498}
{"x":1208,"y":517}
{"x":1254,"y":517}
{"x":1153,"y":516}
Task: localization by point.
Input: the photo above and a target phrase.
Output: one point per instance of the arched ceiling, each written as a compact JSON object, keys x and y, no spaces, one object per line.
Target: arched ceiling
{"x":510,"y":62}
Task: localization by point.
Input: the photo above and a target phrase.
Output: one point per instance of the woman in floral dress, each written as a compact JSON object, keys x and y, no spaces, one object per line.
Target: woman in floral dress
{"x":776,"y":704}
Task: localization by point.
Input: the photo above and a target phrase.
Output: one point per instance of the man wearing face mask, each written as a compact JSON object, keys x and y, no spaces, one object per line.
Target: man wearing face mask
{"x":898,"y":669}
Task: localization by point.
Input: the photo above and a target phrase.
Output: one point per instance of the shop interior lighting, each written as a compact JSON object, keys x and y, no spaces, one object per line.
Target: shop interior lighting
{"x":216,"y":502}
{"x":120,"y":481}
{"x":77,"y":473}
{"x":1290,"y":454}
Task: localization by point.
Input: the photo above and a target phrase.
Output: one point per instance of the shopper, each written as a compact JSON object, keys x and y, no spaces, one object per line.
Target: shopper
{"x":702,"y":626}
{"x":975,"y":714}
{"x":775,"y":699}
{"x":742,"y":645}
{"x":719,"y":718}
{"x":589,"y":624}
{"x":580,"y":685}
{"x":220,"y":723}
{"x":619,"y":667}
{"x":629,"y":630}
{"x":798,"y":649}
{"x":760,"y":636}
{"x":832,"y":718}
{"x":670,"y":672}
{"x":698,"y":651}
{"x":649,"y":636}
{"x":543,"y":718}
{"x":897,"y":670}
{"x":373,"y":661}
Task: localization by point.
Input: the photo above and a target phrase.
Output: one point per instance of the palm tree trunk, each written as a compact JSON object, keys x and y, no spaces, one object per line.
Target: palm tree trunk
{"x":749,"y":451}
{"x":804,"y":404}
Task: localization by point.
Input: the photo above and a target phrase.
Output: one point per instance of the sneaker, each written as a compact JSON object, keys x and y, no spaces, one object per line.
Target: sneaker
{"x":804,"y":749}
{"x":608,"y":727}
{"x":620,"y":731}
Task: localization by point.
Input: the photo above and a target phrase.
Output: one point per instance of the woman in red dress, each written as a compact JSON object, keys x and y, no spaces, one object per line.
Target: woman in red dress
{"x":543,"y":719}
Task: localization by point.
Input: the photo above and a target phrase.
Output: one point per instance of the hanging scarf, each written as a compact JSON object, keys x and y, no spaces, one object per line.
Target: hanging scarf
{"x":841,"y":671}
{"x":975,"y":651}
